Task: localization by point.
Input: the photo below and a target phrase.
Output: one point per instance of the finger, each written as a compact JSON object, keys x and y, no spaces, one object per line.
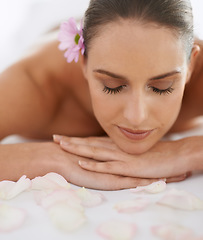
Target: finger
{"x":109,"y":182}
{"x":105,"y":142}
{"x":178,"y":178}
{"x":92,"y":152}
{"x":121,"y":168}
{"x":57,"y":138}
{"x":110,"y":167}
{"x":92,"y":141}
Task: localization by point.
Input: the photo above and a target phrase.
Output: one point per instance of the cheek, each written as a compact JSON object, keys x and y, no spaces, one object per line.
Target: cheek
{"x":104,"y":109}
{"x":169,"y":109}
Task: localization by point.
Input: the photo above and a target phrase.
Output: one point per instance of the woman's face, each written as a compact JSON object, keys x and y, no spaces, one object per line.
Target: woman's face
{"x":136,"y":75}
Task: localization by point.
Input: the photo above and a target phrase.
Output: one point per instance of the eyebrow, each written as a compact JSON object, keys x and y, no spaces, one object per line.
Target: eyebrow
{"x":165,"y":75}
{"x":113,"y":75}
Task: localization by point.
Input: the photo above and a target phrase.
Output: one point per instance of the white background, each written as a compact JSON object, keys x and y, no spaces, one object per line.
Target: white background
{"x":22,"y":21}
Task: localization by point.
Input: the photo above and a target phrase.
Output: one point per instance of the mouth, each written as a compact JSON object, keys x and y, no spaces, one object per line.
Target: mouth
{"x":135,"y":134}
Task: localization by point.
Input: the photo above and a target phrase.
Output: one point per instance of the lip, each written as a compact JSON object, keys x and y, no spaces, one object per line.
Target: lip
{"x":135,"y":134}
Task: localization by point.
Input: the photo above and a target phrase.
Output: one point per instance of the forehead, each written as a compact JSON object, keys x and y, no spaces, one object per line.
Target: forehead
{"x":133,"y":45}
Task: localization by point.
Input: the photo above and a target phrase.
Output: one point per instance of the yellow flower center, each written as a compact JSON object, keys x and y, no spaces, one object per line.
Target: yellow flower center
{"x":77,"y":38}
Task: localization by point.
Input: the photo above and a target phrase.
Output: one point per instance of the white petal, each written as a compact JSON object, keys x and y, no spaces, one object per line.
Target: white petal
{"x":67,"y":196}
{"x":130,"y":206}
{"x":66,"y":218}
{"x":117,"y":230}
{"x":89,"y":198}
{"x":173,"y":232}
{"x":181,"y":200}
{"x":50,"y":181}
{"x":155,"y":187}
{"x":10,"y":189}
{"x":11,"y":218}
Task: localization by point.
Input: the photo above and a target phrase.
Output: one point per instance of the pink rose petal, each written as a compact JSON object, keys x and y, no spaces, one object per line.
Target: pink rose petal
{"x":50,"y":181}
{"x":131,"y":206}
{"x":11,"y":218}
{"x":155,"y":187}
{"x":10,"y":189}
{"x":181,"y":200}
{"x":90,"y":198}
{"x":58,"y":196}
{"x":173,"y":232}
{"x":66,"y":218}
{"x":117,"y":230}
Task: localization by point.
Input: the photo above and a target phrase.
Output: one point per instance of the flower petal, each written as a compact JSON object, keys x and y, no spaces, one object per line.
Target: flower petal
{"x":155,"y":187}
{"x":65,"y":45}
{"x":10,"y":189}
{"x":67,"y":196}
{"x":65,"y":217}
{"x":173,"y":232}
{"x":181,"y":200}
{"x":50,"y":181}
{"x":117,"y":230}
{"x":130,"y":206}
{"x":68,"y":37}
{"x":89,"y":198}
{"x":11,"y":218}
{"x":81,"y":45}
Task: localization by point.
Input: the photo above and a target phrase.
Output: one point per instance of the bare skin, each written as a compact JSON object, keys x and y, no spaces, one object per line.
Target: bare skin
{"x":42,"y":95}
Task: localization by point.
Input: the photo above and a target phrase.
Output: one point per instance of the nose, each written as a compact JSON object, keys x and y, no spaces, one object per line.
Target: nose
{"x":136,"y":109}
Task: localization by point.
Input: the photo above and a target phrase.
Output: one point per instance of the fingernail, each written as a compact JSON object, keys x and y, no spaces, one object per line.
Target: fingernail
{"x":82,"y":163}
{"x":57,"y":138}
{"x":64,"y":143}
{"x":163,"y":179}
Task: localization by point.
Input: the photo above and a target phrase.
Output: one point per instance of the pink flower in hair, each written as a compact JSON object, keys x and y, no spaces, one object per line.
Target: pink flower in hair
{"x":71,"y":38}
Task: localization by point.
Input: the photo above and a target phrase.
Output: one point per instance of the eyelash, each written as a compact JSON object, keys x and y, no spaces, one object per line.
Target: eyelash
{"x":113,"y":90}
{"x":108,"y":90}
{"x":164,"y":91}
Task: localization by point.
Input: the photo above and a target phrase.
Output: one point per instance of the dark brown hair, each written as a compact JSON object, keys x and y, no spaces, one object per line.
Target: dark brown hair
{"x":174,"y":14}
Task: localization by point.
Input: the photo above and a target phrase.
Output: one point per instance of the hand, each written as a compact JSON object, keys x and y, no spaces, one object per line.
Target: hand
{"x":162,"y":161}
{"x":37,"y":159}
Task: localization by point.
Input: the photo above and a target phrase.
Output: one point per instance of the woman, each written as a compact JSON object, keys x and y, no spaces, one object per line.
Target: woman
{"x":139,"y":62}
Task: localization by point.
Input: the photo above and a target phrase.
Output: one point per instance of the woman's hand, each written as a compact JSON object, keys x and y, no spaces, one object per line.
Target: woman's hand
{"x":165,"y":160}
{"x":37,"y":159}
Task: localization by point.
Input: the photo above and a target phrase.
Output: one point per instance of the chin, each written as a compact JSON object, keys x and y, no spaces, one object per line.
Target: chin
{"x":135,"y":148}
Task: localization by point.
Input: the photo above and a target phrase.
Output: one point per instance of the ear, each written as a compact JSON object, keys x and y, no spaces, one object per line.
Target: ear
{"x":83,"y":63}
{"x":193,"y":58}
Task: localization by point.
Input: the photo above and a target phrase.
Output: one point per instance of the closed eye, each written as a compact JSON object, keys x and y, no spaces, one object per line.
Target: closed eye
{"x":162,"y":91}
{"x":118,"y":89}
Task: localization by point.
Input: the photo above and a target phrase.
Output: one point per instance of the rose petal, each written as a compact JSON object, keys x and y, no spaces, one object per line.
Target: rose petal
{"x":181,"y":200}
{"x":10,"y":189}
{"x":130,"y":206}
{"x":117,"y":230}
{"x":67,"y":196}
{"x":50,"y":181}
{"x":89,"y":198}
{"x":173,"y":232}
{"x":11,"y":218}
{"x":65,"y":217}
{"x":155,"y":187}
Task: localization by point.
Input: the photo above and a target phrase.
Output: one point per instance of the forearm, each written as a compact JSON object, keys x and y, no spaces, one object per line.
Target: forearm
{"x":30,"y":159}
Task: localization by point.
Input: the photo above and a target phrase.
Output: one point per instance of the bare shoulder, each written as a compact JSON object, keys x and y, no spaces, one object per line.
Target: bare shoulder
{"x":193,"y":91}
{"x":65,"y":106}
{"x":192,"y":105}
{"x":31,"y":90}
